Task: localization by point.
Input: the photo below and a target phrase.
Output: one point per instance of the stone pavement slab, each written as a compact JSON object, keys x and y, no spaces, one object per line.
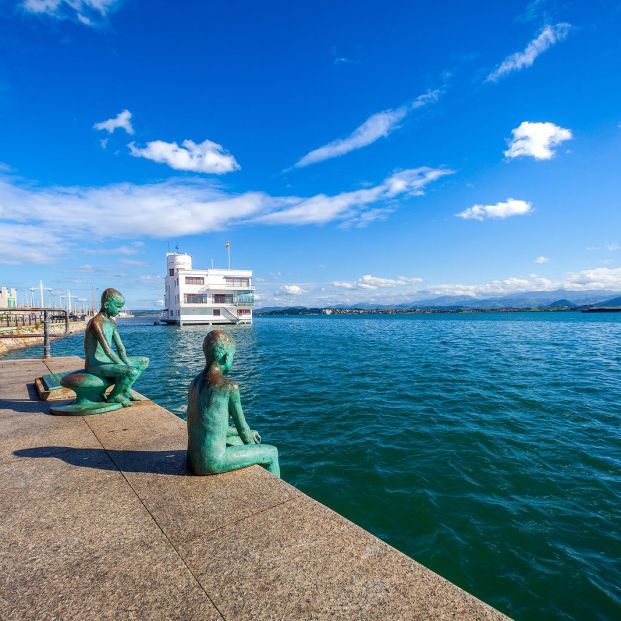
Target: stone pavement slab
{"x":100,"y":519}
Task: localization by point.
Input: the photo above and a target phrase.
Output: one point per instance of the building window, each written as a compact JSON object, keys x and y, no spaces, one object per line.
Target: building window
{"x":237,"y":282}
{"x":195,"y":298}
{"x":171,"y":272}
{"x":216,"y":312}
{"x":243,"y":311}
{"x":244,"y":297}
{"x":194,"y":280}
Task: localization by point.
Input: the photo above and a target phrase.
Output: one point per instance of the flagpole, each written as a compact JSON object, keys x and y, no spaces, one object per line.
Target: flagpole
{"x":228,"y":252}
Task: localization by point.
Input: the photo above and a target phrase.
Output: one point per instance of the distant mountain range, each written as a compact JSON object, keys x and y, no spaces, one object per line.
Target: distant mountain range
{"x":528,"y":299}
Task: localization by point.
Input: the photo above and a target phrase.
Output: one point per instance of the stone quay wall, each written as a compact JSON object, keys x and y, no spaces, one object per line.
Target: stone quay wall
{"x":57,"y":331}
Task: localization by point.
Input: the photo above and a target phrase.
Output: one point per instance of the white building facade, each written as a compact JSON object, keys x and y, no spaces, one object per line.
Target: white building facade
{"x":8,"y":298}
{"x":212,"y":296}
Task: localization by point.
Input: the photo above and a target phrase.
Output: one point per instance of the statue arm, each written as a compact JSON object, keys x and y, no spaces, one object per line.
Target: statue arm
{"x":236,"y":412}
{"x":101,"y":339}
{"x":116,"y":337}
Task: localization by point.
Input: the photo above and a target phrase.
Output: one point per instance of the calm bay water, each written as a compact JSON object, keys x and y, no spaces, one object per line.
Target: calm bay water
{"x":487,"y":447}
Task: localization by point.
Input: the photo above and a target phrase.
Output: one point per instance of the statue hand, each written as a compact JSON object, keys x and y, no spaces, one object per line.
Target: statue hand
{"x":256,"y":437}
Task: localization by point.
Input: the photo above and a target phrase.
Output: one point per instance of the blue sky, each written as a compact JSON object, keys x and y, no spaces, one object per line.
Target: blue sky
{"x":349,"y":151}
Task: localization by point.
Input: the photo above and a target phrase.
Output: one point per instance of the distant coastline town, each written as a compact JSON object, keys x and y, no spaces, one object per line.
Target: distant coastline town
{"x":607,"y":306}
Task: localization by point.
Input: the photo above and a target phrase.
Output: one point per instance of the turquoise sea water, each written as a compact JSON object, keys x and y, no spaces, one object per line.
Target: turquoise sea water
{"x":487,"y":447}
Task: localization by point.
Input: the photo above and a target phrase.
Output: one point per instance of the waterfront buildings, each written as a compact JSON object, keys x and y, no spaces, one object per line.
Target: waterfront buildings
{"x":211,"y":296}
{"x":8,"y":298}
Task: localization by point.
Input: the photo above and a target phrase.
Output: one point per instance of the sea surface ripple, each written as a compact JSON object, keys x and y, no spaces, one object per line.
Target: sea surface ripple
{"x":487,"y":447}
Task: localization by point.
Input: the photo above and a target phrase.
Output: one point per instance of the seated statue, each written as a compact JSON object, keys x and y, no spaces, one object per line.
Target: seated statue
{"x":104,"y":367}
{"x":214,"y":446}
{"x":101,"y":360}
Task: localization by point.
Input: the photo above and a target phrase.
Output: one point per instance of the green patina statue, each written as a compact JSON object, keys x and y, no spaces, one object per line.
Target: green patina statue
{"x":214,"y":446}
{"x":104,"y":367}
{"x":102,"y":360}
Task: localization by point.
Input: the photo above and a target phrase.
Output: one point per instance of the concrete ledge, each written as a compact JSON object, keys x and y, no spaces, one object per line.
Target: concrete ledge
{"x":102,"y":521}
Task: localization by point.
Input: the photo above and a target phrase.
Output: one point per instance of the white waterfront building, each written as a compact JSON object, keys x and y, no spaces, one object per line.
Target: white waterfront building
{"x":212,"y":296}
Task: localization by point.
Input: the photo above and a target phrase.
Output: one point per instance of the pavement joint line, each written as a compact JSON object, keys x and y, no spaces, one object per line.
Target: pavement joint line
{"x":172,"y":545}
{"x":242,"y":519}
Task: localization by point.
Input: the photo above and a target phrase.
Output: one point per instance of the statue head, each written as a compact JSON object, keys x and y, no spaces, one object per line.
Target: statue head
{"x":112,"y":302}
{"x":219,"y":347}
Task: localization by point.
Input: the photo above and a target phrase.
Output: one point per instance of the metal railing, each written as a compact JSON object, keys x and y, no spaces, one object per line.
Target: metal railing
{"x":35,"y":317}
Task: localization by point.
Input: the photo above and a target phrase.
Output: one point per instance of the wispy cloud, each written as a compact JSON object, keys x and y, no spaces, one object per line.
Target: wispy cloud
{"x":536,"y":140}
{"x":374,"y":282}
{"x":133,"y":262}
{"x":87,"y":12}
{"x":28,"y":243}
{"x":123,"y":120}
{"x":505,"y":209}
{"x":378,"y":125}
{"x":548,"y":37}
{"x":204,"y":157}
{"x":541,"y":260}
{"x":40,"y":224}
{"x":609,"y":246}
{"x":353,"y":206}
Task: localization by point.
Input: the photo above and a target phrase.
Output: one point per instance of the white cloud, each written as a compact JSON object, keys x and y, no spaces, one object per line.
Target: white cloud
{"x":541,"y":260}
{"x":510,"y":207}
{"x":205,"y":157}
{"x":402,"y":290}
{"x":352,"y":206}
{"x":378,"y":125}
{"x":549,"y":36}
{"x":598,"y":278}
{"x":536,"y":140}
{"x":27,"y":243}
{"x":123,"y":120}
{"x":87,"y":12}
{"x":374,"y":282}
{"x":39,"y":224}
{"x":292,"y":290}
{"x":496,"y":287}
{"x":583,"y":280}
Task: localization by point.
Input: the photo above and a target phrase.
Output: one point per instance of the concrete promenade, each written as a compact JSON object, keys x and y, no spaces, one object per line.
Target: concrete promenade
{"x":99,"y":519}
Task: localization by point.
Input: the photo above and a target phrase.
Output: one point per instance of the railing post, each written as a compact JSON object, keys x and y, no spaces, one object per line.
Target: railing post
{"x":46,"y":336}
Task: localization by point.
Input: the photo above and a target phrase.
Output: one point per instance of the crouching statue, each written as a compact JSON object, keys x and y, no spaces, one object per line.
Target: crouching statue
{"x":104,"y":367}
{"x":214,"y":446}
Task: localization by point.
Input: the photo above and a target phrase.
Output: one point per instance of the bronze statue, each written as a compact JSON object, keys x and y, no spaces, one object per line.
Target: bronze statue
{"x":104,"y":367}
{"x":102,"y":360}
{"x":213,"y":446}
